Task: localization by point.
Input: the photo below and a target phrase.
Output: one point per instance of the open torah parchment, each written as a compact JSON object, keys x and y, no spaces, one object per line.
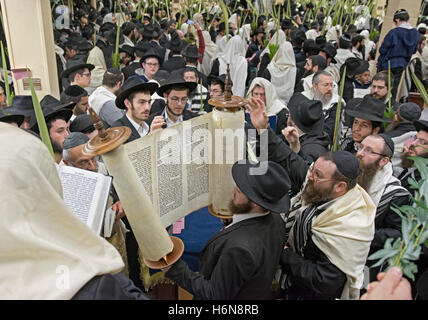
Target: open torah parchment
{"x":188,"y":166}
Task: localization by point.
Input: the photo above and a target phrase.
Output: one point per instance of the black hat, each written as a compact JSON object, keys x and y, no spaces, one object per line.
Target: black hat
{"x":82,"y":123}
{"x":175,"y":80}
{"x":421,"y":125}
{"x":22,"y":105}
{"x":132,"y":84}
{"x":321,"y":40}
{"x":176,"y":44}
{"x":369,"y":109}
{"x":350,"y":105}
{"x":84,"y":45}
{"x":161,"y":76}
{"x":142,"y":46}
{"x":353,"y":66}
{"x":49,"y":114}
{"x":74,"y":91}
{"x":307,"y":114}
{"x":127,"y":49}
{"x":409,"y":111}
{"x":75,"y":67}
{"x":74,"y":139}
{"x":50,"y":102}
{"x":149,"y":32}
{"x":346,"y":163}
{"x":388,"y":141}
{"x":310,"y":46}
{"x":6,"y":117}
{"x":319,"y":61}
{"x":221,"y":78}
{"x":330,"y":51}
{"x":151,"y":53}
{"x":257,"y":31}
{"x":269,"y":190}
{"x":191,"y":51}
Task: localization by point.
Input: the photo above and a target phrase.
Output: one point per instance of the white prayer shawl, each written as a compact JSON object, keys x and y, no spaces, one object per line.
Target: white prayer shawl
{"x":234,"y":55}
{"x":233,"y":19}
{"x":332,"y":33}
{"x":60,"y":52}
{"x":273,"y":104}
{"x":369,"y":45}
{"x":46,"y":252}
{"x":100,"y":96}
{"x":344,"y":232}
{"x":281,"y":39}
{"x":245,"y":32}
{"x":209,"y":53}
{"x":312,"y":34}
{"x":269,"y":26}
{"x":425,"y":63}
{"x":283,"y":70}
{"x":380,"y":180}
{"x":96,"y":57}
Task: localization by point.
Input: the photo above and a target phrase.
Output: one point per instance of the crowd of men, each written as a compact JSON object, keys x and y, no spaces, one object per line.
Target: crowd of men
{"x":310,"y":222}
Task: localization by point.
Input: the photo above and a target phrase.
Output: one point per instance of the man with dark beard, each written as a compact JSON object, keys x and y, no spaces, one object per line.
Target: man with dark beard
{"x":414,"y":148}
{"x":240,"y":261}
{"x":313,"y":64}
{"x":330,"y":211}
{"x":374,"y":155}
{"x":57,"y":121}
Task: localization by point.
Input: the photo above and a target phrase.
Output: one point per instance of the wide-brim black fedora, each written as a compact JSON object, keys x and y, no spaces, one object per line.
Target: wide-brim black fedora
{"x":350,"y":105}
{"x":330,"y":51}
{"x":369,"y":109}
{"x":176,"y":44}
{"x":6,"y":117}
{"x":306,"y":114}
{"x":76,"y":67}
{"x":269,"y":190}
{"x":133,"y":84}
{"x":50,"y":102}
{"x":50,"y":114}
{"x":176,"y":80}
{"x":150,"y":54}
{"x":191,"y":51}
{"x":22,"y":105}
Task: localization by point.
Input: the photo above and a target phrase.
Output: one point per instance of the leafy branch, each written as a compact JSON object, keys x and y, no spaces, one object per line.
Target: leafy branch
{"x":405,"y":250}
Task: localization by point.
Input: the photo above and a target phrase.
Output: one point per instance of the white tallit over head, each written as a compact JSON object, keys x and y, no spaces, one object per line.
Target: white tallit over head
{"x":273,"y":104}
{"x":209,"y":53}
{"x":344,"y":232}
{"x":234,"y":19}
{"x":283,"y":70}
{"x":234,"y":55}
{"x":46,"y":252}
{"x":281,"y":38}
{"x":245,"y":32}
{"x":96,"y":57}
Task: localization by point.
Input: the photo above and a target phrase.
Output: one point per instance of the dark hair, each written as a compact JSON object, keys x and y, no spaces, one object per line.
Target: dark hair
{"x":217,"y":81}
{"x":127,"y":28}
{"x":337,"y":175}
{"x":356,"y":39}
{"x":191,"y":60}
{"x":72,"y":75}
{"x":132,"y":94}
{"x":52,"y":120}
{"x":178,"y":88}
{"x":383,"y":76}
{"x":401,"y":15}
{"x":191,"y":69}
{"x":111,"y":77}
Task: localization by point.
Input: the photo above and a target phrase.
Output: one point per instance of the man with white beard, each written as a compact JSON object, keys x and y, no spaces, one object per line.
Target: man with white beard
{"x":322,"y":90}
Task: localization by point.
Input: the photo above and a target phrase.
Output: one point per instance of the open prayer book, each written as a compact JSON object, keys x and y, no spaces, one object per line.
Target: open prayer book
{"x":86,"y":194}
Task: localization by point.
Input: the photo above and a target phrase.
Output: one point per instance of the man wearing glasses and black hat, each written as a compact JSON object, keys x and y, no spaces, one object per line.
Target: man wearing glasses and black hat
{"x":176,"y":92}
{"x":78,"y":74}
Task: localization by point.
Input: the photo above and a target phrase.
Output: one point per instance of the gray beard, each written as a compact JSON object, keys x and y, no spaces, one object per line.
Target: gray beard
{"x":322,"y":98}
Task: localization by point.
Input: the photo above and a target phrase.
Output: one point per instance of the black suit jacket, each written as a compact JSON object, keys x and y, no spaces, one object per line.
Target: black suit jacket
{"x":129,"y":70}
{"x":239,"y":262}
{"x":126,"y":123}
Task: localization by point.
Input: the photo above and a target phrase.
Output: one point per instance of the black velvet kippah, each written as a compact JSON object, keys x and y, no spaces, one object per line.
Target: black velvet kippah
{"x":347,"y":164}
{"x":74,"y":91}
{"x":388,"y":141}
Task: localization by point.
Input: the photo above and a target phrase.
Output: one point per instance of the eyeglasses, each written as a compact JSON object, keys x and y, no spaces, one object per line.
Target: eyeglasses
{"x":415,"y":139}
{"x":151,"y":64}
{"x":87,"y":74}
{"x":176,"y":100}
{"x":367,"y":150}
{"x":316,"y":176}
